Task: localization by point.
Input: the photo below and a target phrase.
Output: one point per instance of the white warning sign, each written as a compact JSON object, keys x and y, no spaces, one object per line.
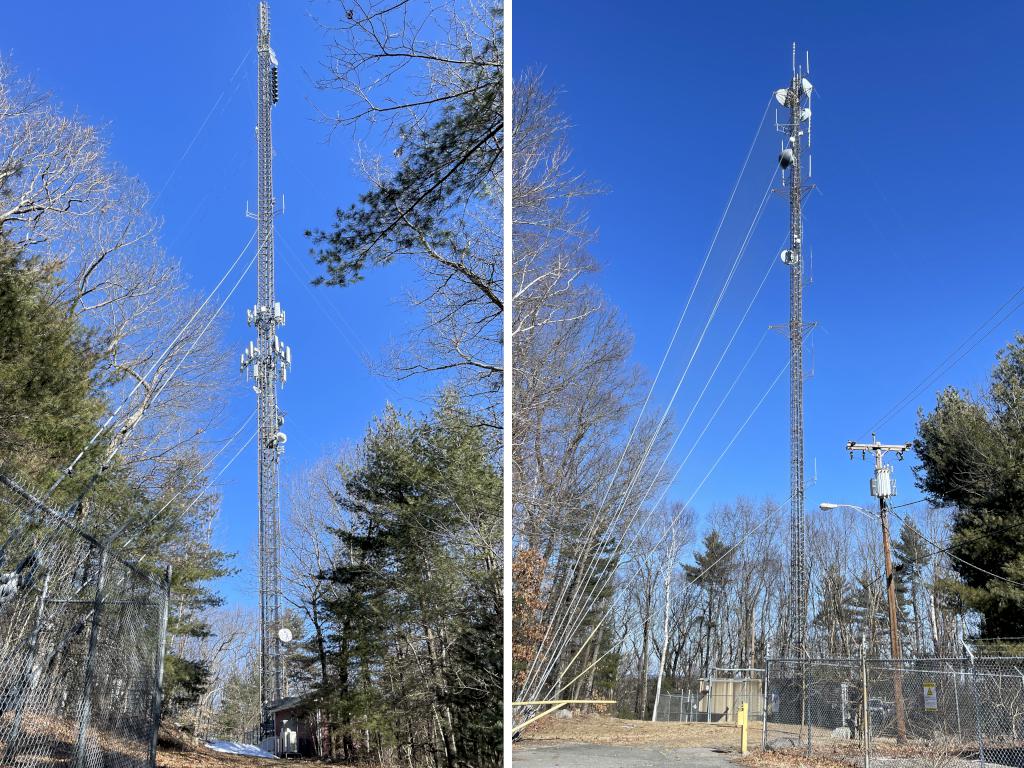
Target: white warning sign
{"x":931,"y":697}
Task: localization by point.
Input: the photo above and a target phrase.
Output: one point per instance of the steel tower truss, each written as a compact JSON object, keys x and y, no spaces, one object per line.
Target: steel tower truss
{"x":796,"y":99}
{"x":267,"y":362}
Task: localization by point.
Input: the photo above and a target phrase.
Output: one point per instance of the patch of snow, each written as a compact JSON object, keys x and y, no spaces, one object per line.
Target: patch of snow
{"x":234,"y":748}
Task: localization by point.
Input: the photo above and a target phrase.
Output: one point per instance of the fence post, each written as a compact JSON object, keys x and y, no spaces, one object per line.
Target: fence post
{"x":158,"y":692}
{"x":977,"y":705}
{"x":956,"y":699}
{"x":807,"y":702}
{"x":90,"y":662}
{"x":764,"y":707}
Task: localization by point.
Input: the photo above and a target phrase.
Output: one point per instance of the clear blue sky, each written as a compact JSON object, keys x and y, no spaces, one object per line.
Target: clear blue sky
{"x":916,"y":232}
{"x":915,"y":229}
{"x":151,"y":72}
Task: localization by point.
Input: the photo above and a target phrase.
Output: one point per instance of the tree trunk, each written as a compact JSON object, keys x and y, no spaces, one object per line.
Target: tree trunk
{"x":664,"y":637}
{"x":645,"y":656}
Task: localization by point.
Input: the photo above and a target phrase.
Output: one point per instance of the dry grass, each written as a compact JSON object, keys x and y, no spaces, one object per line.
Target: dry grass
{"x":176,"y":749}
{"x":202,"y":757}
{"x":937,"y":752}
{"x":828,"y":752}
{"x":791,"y":760}
{"x":601,"y":729}
{"x":56,"y":737}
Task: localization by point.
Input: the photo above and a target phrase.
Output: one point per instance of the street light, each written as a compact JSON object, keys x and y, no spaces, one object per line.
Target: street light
{"x":825,"y":506}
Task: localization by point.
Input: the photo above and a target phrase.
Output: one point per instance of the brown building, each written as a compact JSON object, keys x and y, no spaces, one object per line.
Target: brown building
{"x":292,"y":731}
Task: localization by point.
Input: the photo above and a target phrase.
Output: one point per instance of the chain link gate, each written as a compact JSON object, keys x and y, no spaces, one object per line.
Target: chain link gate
{"x":82,"y":635}
{"x":922,"y":711}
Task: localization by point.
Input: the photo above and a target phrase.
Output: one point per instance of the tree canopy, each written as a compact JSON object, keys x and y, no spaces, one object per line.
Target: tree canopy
{"x":971,"y":448}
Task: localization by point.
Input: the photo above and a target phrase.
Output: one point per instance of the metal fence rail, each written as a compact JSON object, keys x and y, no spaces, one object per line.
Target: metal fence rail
{"x":82,"y":636}
{"x":922,"y":711}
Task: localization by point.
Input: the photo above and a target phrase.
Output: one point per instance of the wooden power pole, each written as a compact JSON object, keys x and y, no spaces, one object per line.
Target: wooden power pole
{"x":882,"y":487}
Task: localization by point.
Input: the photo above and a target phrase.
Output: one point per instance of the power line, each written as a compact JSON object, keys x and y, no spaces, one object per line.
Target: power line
{"x":202,"y":125}
{"x":153,"y":518}
{"x":947,"y":549}
{"x":952,"y":358}
{"x":594,"y":525}
{"x":143,"y":379}
{"x":570,"y":627}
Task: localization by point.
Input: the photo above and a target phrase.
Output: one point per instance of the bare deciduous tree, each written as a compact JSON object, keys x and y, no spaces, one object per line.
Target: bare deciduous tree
{"x":424,"y":80}
{"x":71,"y":212}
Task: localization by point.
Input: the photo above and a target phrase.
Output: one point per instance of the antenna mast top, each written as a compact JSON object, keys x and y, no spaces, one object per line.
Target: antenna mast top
{"x":263,"y":37}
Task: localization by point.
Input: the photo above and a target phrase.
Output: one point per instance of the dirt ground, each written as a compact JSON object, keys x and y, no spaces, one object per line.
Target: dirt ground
{"x":178,"y":750}
{"x":200,"y":757}
{"x":598,"y":741}
{"x":600,"y":729}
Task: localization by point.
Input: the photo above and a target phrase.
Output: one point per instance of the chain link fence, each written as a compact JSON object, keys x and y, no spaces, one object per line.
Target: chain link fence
{"x":82,"y":636}
{"x":921,"y":712}
{"x":678,"y":707}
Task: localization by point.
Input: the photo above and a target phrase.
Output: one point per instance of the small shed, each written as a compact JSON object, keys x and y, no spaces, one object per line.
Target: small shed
{"x":293,"y":735}
{"x":721,"y":697}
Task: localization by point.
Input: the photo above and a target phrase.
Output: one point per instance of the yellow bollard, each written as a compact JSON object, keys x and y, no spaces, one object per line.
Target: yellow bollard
{"x":741,"y":723}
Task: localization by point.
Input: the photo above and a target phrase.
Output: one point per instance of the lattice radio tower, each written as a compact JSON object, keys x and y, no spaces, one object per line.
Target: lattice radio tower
{"x":267,"y":362}
{"x":796,"y":98}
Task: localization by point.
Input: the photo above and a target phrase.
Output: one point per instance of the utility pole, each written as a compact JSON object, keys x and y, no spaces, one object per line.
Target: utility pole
{"x":268,"y":362}
{"x":882,"y":487}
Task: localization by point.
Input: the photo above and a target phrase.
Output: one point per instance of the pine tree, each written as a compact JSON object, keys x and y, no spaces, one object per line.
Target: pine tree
{"x":868,"y":610}
{"x":835,"y":615}
{"x":48,"y":406}
{"x":416,"y":609}
{"x":972,"y":460}
{"x":710,"y":572}
{"x":911,"y":555}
